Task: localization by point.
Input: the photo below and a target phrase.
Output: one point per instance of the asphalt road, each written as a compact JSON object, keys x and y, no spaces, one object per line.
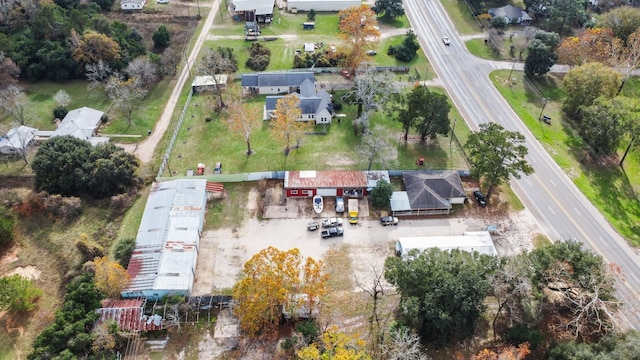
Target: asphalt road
{"x":561,"y":209}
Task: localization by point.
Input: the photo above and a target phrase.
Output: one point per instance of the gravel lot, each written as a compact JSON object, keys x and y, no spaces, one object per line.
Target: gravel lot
{"x":224,"y":251}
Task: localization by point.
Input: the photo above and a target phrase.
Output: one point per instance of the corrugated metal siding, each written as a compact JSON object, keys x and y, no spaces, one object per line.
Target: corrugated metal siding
{"x":166,"y":252}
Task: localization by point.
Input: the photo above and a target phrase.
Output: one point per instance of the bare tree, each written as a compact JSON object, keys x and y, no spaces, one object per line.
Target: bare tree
{"x":14,"y":103}
{"x":142,"y":70}
{"x":625,"y":59}
{"x":376,"y":148}
{"x":9,"y":71}
{"x":376,"y":290}
{"x":495,"y":41}
{"x":62,"y":98}
{"x":405,"y":345}
{"x":98,"y":74}
{"x":512,"y":288}
{"x":370,"y":90}
{"x":126,"y":95}
{"x":214,"y":63}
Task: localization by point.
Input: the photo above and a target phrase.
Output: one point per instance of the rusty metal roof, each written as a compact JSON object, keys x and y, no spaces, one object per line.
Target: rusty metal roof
{"x":128,"y":314}
{"x":325,"y":179}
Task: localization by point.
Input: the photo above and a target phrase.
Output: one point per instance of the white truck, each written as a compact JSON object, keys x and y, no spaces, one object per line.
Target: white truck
{"x":353,"y":211}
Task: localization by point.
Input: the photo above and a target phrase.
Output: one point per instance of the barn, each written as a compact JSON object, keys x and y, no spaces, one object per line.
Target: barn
{"x":350,"y":183}
{"x":165,"y":255}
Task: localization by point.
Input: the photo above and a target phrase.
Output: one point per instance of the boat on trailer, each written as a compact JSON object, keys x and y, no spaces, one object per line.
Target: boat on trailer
{"x":318,"y":204}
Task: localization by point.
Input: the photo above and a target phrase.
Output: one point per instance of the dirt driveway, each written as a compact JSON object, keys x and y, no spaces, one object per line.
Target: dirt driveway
{"x":224,"y":251}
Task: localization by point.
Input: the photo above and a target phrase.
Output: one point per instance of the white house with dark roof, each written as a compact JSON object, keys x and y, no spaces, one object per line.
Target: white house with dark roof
{"x":315,"y":106}
{"x":274,"y":82}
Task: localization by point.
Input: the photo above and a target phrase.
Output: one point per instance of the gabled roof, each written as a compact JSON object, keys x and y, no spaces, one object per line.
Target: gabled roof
{"x":261,"y":7}
{"x":288,"y":78}
{"x":325,"y":179}
{"x":128,"y":314}
{"x":84,"y":117}
{"x":311,"y":104}
{"x":509,"y":11}
{"x":18,"y":138}
{"x":432,"y":189}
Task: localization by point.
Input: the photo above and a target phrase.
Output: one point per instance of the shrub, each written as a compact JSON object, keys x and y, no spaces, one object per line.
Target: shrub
{"x":337,"y":106}
{"x":258,"y":63}
{"x":88,"y":250}
{"x":6,"y":227}
{"x":311,"y":15}
{"x":309,"y":331}
{"x":121,"y":202}
{"x":259,"y":49}
{"x":124,"y":249}
{"x":60,"y":112}
{"x":161,"y":37}
{"x":32,"y":204}
{"x":59,"y":207}
{"x":498,"y":22}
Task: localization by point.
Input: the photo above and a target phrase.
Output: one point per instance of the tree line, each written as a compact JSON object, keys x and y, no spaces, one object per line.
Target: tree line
{"x":57,"y":40}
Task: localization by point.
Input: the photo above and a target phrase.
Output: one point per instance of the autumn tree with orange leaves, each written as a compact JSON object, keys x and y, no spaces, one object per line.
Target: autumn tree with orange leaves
{"x":358,"y":28}
{"x":110,"y":277}
{"x":504,"y":353}
{"x":242,"y":120}
{"x":591,"y":45}
{"x":271,"y":279}
{"x":286,"y":125}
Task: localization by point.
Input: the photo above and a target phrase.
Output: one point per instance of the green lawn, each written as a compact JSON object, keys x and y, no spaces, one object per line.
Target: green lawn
{"x":612,"y":190}
{"x":210,"y":142}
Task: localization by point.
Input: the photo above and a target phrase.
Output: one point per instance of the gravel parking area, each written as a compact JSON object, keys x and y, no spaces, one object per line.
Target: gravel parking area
{"x":224,"y":251}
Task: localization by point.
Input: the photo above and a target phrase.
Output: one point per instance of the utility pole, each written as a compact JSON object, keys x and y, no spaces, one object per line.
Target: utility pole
{"x":541,"y":112}
{"x":511,"y":72}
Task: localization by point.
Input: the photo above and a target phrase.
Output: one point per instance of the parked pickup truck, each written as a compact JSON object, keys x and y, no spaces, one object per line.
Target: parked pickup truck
{"x":332,"y":232}
{"x":313,"y":226}
{"x":332,"y":222}
{"x":388,"y":220}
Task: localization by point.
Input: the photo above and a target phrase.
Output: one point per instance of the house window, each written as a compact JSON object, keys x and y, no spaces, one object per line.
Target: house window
{"x":294,"y":192}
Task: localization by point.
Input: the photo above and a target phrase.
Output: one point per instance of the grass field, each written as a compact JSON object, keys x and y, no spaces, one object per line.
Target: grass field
{"x":610,"y":188}
{"x":210,"y":142}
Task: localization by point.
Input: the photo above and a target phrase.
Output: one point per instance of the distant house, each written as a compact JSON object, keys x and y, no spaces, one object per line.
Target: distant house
{"x":80,"y":123}
{"x":17,"y":140}
{"x":324,"y":5}
{"x":260,"y":11}
{"x":315,"y":106}
{"x":428,"y":193}
{"x":349,"y":183}
{"x":209,"y":82}
{"x":511,"y":14}
{"x":274,"y":83}
{"x":132,"y":4}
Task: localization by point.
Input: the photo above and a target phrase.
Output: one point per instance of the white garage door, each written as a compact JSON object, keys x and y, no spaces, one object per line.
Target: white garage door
{"x":327,"y":192}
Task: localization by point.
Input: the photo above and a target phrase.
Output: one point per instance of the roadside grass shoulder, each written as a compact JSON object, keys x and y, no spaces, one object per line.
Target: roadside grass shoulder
{"x":462,"y":17}
{"x":612,"y":190}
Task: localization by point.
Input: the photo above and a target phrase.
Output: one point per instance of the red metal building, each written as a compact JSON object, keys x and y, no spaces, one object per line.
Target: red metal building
{"x":349,"y":183}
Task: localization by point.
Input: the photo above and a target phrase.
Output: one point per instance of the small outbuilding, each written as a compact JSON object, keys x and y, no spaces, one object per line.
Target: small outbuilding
{"x":132,"y":4}
{"x":349,"y":183}
{"x":209,"y":82}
